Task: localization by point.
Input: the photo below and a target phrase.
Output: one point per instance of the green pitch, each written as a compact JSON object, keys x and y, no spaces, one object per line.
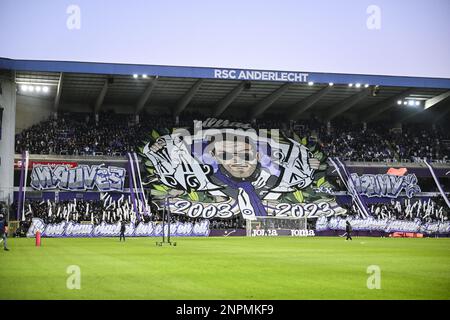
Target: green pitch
{"x":227,"y":268}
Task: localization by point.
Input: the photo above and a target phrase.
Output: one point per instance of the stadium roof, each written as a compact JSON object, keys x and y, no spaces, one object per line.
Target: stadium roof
{"x":232,"y":92}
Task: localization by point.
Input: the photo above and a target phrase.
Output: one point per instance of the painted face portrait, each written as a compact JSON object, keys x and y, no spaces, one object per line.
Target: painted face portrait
{"x":239,"y":158}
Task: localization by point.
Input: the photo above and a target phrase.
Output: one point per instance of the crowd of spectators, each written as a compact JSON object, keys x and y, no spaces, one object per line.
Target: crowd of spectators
{"x":427,"y":211}
{"x":79,"y":134}
{"x":378,"y":141}
{"x":75,"y":210}
{"x":115,"y":134}
{"x":233,"y":223}
{"x":99,"y":211}
{"x":355,"y":143}
{"x":96,"y":212}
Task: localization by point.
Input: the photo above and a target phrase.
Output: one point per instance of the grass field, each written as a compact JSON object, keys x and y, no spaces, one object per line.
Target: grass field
{"x":227,"y":268}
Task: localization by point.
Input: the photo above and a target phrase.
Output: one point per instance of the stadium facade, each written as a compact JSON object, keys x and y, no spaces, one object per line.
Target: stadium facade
{"x":290,"y":186}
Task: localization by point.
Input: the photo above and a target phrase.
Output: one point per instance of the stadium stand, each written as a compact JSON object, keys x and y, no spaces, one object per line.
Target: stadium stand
{"x":427,"y":211}
{"x":97,"y":212}
{"x":115,"y":135}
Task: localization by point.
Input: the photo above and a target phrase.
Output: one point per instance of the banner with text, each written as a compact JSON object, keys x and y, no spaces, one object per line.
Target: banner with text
{"x":385,"y":185}
{"x":149,"y":229}
{"x":385,"y":225}
{"x":77,"y":178}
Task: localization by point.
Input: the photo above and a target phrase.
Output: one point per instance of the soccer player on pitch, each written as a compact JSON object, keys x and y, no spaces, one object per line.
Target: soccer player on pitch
{"x":3,"y":228}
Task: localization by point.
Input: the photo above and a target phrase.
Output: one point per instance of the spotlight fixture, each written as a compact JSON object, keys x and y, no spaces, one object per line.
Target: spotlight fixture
{"x":310,"y":83}
{"x":350,"y":84}
{"x":331,"y":84}
{"x":144,"y":76}
{"x":366,"y":85}
{"x":135,"y":76}
{"x":410,"y":102}
{"x":358,"y":85}
{"x":35,"y":88}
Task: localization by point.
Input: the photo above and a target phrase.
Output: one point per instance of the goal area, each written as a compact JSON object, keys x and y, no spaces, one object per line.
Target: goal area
{"x":277,"y":226}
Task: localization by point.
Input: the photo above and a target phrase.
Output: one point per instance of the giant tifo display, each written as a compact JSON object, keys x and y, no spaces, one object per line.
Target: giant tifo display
{"x":218,"y":176}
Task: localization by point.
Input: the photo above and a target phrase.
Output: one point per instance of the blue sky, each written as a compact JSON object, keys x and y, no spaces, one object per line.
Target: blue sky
{"x":312,"y":36}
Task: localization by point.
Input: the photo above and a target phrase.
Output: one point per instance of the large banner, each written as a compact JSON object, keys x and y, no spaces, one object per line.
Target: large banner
{"x":77,"y":178}
{"x":223,"y":169}
{"x":149,"y":229}
{"x":385,"y":185}
{"x":385,"y":225}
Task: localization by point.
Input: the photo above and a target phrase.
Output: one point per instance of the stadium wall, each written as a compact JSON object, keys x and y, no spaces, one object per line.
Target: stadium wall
{"x":87,"y":108}
{"x":76,"y":107}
